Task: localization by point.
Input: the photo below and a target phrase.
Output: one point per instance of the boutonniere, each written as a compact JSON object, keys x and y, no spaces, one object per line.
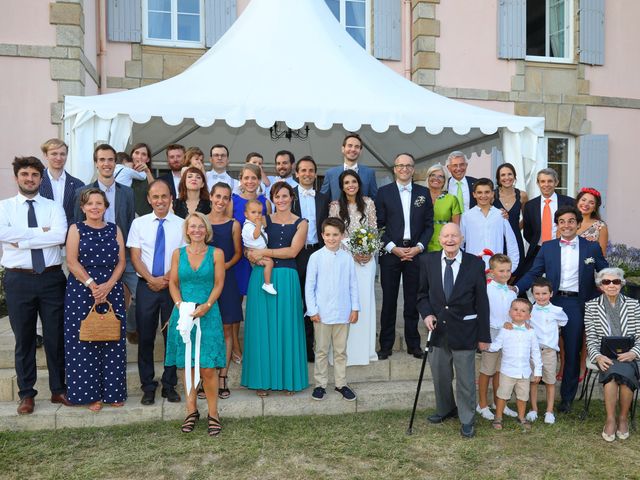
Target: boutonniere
{"x":589,"y":260}
{"x":419,"y":201}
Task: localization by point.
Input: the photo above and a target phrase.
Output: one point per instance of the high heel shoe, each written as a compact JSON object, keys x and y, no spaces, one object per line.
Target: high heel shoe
{"x":607,"y":437}
{"x":235,"y":358}
{"x":223,"y":389}
{"x":215,"y":427}
{"x":201,"y":393}
{"x":190,"y":422}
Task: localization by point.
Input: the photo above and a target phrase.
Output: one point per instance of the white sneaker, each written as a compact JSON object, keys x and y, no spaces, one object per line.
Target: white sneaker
{"x":509,"y":413}
{"x":532,"y":416}
{"x":485,"y":412}
{"x":268,"y":287}
{"x":549,"y":418}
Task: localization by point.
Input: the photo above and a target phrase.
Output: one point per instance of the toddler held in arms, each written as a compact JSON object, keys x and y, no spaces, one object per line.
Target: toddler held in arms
{"x":254,"y":236}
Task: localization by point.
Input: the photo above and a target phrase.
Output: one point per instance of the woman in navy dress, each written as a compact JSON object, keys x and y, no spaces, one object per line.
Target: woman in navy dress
{"x":96,"y":371}
{"x":226,"y":237}
{"x":511,"y":200}
{"x":192,"y":194}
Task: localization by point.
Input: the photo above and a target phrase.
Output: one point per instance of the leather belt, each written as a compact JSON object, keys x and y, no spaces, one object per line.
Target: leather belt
{"x":406,"y":242}
{"x":307,"y":246}
{"x":31,"y":271}
{"x":565,"y":293}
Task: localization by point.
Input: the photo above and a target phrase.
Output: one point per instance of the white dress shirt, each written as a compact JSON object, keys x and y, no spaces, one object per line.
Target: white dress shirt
{"x":519,"y":347}
{"x":177,"y":176}
{"x":57,"y":186}
{"x":125,"y":175}
{"x":553,"y":205}
{"x":570,"y":267}
{"x":347,"y":167}
{"x":248,"y":227}
{"x":14,"y":229}
{"x":273,"y":179}
{"x":500,"y":298}
{"x":331,"y":287}
{"x":308,"y":212}
{"x":455,"y":266}
{"x":464,"y":185}
{"x":405,"y":199}
{"x":490,"y":232}
{"x":545,"y":322}
{"x":213,"y":177}
{"x":110,"y":192}
{"x":142,"y":235}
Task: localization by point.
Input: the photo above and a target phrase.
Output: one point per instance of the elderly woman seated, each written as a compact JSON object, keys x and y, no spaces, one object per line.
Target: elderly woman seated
{"x":613,"y":314}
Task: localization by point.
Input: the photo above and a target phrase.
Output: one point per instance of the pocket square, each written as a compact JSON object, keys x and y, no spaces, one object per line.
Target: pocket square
{"x":470,"y":317}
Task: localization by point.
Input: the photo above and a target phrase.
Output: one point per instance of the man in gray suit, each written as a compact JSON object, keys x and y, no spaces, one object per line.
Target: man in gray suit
{"x":121,"y":211}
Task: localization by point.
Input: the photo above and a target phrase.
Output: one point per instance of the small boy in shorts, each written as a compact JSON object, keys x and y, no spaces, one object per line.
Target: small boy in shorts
{"x":546,"y":319}
{"x":254,"y":236}
{"x":500,"y":298}
{"x":519,"y":347}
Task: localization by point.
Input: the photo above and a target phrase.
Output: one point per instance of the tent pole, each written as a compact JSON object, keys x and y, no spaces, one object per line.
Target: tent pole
{"x":175,"y":140}
{"x":378,"y":158}
{"x":461,"y":146}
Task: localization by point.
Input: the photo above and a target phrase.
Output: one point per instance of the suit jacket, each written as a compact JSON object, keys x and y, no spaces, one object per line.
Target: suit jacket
{"x":597,"y":324}
{"x":464,"y":319}
{"x":125,"y":208}
{"x":367,"y":175}
{"x":71,"y":184}
{"x":389,"y":214}
{"x":532,"y":219}
{"x":322,"y":210}
{"x":547,"y":261}
{"x":168,"y":179}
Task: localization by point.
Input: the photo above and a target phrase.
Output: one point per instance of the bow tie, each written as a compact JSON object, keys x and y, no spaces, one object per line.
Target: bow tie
{"x":280,"y":179}
{"x":310,"y":193}
{"x":219,"y":175}
{"x":543,"y":309}
{"x":406,"y":188}
{"x":501,"y":286}
{"x":567,"y":243}
{"x":520,"y":327}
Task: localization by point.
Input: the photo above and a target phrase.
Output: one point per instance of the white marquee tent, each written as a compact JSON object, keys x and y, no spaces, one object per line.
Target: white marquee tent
{"x":290,"y":61}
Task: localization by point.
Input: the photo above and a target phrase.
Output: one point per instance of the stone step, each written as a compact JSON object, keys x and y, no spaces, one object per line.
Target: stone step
{"x":400,"y":366}
{"x":386,"y":395}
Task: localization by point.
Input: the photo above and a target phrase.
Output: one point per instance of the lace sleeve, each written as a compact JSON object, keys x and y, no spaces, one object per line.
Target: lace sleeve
{"x":370,"y":212}
{"x":334,"y":209}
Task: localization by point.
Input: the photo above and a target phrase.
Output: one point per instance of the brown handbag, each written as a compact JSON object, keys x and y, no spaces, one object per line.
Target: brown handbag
{"x":100,"y":327}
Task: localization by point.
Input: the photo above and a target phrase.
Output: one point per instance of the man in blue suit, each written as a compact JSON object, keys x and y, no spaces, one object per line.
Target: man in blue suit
{"x":57,"y":184}
{"x":569,"y":263}
{"x":351,"y":149}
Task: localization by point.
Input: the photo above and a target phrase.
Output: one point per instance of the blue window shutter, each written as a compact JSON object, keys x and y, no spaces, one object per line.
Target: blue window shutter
{"x":512,"y":28}
{"x":124,"y":21}
{"x":594,"y":165}
{"x":387,"y":31}
{"x":496,"y":159}
{"x":592,"y":32}
{"x":219,"y":15}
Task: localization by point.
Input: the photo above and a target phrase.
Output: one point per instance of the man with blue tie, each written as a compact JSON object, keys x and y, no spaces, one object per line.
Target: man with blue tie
{"x":351,"y":150}
{"x":569,"y":263}
{"x":32,"y":230}
{"x":152,"y":241}
{"x":219,"y":162}
{"x":314,"y":207}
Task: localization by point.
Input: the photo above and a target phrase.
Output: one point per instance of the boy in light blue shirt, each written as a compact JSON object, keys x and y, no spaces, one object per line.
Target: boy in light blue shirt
{"x":331,"y":292}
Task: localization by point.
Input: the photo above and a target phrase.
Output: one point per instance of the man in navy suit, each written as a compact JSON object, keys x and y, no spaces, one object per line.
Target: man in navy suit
{"x":460,"y":185}
{"x":452,"y":299}
{"x":534,"y":215}
{"x":569,"y":263}
{"x":57,"y":184}
{"x":351,"y":149}
{"x":314,"y":207}
{"x":175,"y":160}
{"x":405,"y":211}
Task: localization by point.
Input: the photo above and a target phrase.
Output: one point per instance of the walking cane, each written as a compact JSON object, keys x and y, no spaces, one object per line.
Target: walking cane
{"x":424,"y":363}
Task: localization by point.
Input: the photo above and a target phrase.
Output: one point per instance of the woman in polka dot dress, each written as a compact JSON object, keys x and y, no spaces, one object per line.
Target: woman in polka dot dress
{"x":96,"y":371}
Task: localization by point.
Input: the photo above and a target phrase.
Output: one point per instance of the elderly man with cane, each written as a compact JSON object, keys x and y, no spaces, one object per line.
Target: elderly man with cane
{"x":453,"y":293}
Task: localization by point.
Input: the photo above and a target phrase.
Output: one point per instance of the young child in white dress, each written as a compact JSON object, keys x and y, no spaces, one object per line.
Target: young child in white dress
{"x":254,"y":236}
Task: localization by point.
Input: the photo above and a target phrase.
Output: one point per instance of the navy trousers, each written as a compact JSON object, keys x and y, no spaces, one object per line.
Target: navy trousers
{"x":572,"y":333}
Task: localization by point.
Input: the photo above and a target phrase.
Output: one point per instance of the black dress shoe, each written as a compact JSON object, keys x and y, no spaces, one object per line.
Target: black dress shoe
{"x":39,"y":341}
{"x":171,"y":395}
{"x":467,"y":430}
{"x":311,"y":357}
{"x":382,"y":355}
{"x":148,"y":398}
{"x":565,"y":407}
{"x":416,"y":352}
{"x":435,"y":418}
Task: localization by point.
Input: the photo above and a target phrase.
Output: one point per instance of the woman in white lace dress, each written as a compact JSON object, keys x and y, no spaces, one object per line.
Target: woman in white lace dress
{"x":356,"y":210}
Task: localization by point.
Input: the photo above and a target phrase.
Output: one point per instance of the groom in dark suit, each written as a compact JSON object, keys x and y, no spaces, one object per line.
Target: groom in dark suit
{"x":452,"y":299}
{"x":314,"y":207}
{"x":569,"y":263}
{"x":405,"y":211}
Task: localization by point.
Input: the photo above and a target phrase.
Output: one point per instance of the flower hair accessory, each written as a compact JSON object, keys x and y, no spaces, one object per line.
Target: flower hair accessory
{"x":592,"y":191}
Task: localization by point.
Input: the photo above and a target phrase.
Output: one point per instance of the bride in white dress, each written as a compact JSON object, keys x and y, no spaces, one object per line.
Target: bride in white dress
{"x":357,"y":210}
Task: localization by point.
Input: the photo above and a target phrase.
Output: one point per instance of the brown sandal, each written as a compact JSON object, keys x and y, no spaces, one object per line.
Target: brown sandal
{"x":215,"y":427}
{"x":190,"y":422}
{"x":223,"y":388}
{"x":497,"y":424}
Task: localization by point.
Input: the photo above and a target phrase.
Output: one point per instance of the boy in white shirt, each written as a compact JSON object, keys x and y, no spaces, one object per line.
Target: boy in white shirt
{"x":331,"y":292}
{"x":519,"y":347}
{"x":546,"y":319}
{"x":124,"y":172}
{"x":254,"y":236}
{"x":500,"y":298}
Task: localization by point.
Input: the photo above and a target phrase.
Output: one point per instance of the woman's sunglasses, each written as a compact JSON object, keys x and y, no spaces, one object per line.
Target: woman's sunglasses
{"x":606,"y":281}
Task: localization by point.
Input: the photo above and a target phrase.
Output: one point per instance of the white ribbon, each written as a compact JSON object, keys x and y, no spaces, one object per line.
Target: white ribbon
{"x":185,"y":324}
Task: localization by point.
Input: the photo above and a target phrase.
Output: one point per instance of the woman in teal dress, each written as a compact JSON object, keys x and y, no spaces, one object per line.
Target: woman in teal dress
{"x":197,"y":275}
{"x":446,"y":207}
{"x":275,"y":353}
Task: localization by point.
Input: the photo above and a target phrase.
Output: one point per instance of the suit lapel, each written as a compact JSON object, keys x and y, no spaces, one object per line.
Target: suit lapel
{"x":414,"y":195}
{"x":464,"y":266}
{"x":555,"y":261}
{"x":397,"y":201}
{"x":436,"y":279}
{"x":537,"y":220}
{"x":46,"y":190}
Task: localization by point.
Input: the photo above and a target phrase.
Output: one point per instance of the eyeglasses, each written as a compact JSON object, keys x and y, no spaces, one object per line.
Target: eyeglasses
{"x":403,"y":167}
{"x":615,"y":281}
{"x":438,"y":177}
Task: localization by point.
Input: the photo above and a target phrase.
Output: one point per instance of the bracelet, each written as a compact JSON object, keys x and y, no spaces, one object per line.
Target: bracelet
{"x":88,"y":282}
{"x":208,"y":304}
{"x":178,"y":303}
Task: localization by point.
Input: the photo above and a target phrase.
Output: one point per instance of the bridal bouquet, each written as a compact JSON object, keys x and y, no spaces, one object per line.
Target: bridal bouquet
{"x":365,"y":241}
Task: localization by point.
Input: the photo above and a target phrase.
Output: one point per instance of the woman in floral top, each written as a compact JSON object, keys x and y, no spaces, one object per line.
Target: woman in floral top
{"x":592,"y":228}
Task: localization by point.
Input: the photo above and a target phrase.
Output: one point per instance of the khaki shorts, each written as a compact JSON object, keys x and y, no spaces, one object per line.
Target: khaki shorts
{"x":549,"y":365}
{"x":490,"y":362}
{"x":509,"y":384}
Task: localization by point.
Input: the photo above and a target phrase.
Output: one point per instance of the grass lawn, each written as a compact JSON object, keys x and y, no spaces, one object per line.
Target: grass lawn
{"x":356,"y":446}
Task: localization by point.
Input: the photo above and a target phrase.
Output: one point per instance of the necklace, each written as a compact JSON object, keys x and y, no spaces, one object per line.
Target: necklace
{"x":196,"y":253}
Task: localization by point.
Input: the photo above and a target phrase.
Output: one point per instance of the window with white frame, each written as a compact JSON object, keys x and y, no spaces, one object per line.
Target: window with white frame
{"x":355,"y":17}
{"x":549,"y":30}
{"x":175,"y":23}
{"x":561,"y":157}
